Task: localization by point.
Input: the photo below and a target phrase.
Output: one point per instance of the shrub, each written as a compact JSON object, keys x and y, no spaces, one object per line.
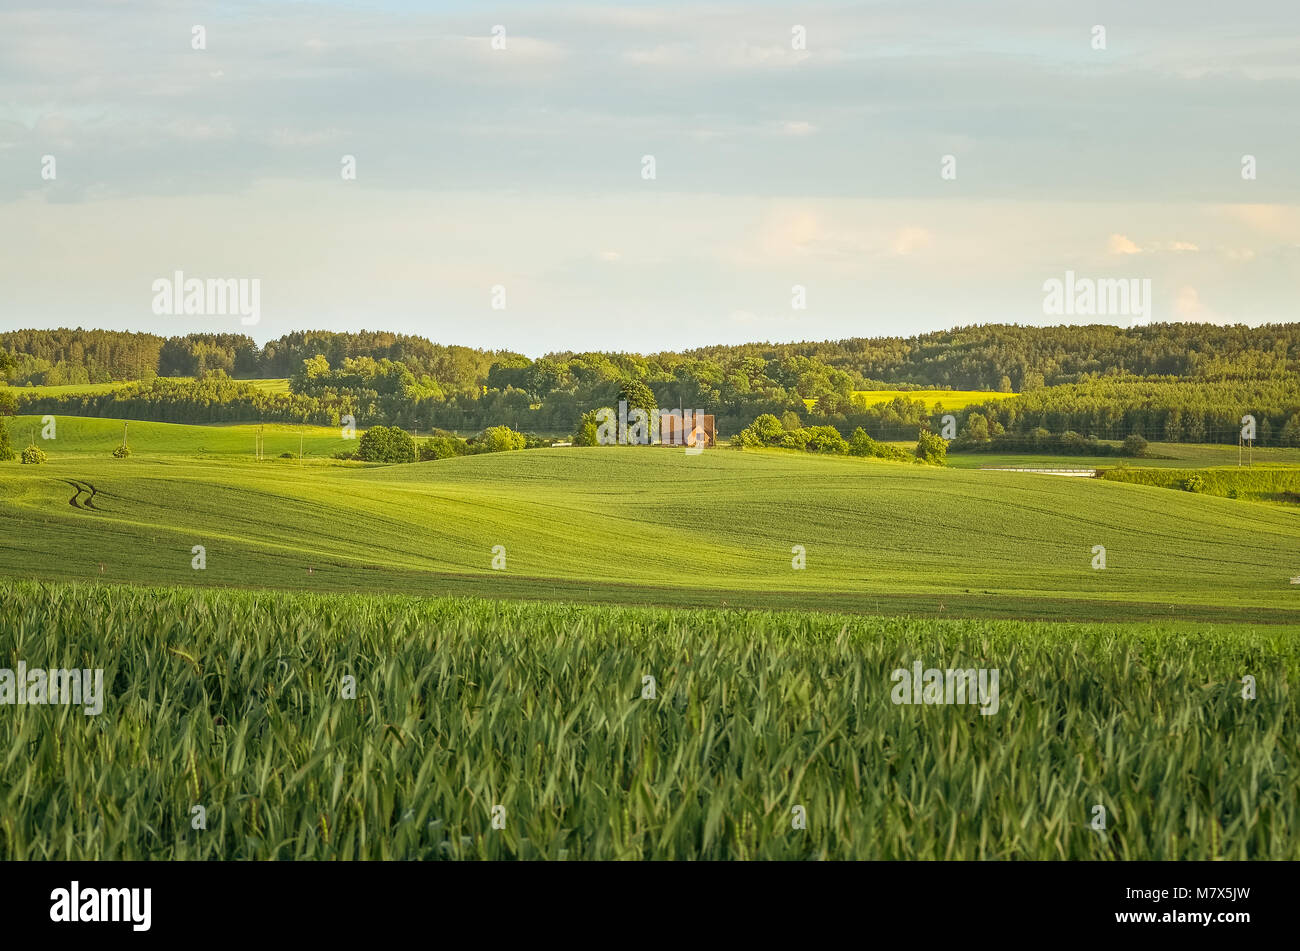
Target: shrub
{"x":386,"y":444}
{"x":6,"y":449}
{"x":442,"y":447}
{"x":860,"y":444}
{"x":33,"y":456}
{"x":500,"y":439}
{"x":121,"y":452}
{"x":1134,"y":445}
{"x":795,"y":439}
{"x":587,"y":430}
{"x":825,"y":439}
{"x":766,"y":430}
{"x":932,"y":448}
{"x":1193,"y":483}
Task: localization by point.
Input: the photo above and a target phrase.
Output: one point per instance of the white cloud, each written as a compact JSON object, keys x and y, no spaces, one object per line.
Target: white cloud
{"x":1119,"y":244}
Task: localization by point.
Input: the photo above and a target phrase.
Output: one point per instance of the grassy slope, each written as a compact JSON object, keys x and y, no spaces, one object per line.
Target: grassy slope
{"x":1161,"y":455}
{"x":232,"y":700}
{"x":654,"y":526}
{"x":90,"y":437}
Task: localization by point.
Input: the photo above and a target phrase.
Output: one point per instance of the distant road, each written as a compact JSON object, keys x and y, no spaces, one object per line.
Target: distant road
{"x":1083,"y":473}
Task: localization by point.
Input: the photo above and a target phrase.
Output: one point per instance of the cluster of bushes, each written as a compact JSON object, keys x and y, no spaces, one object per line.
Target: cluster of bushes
{"x":394,"y":445}
{"x":1041,"y":441}
{"x":981,"y":436}
{"x":861,"y":444}
{"x":768,"y":432}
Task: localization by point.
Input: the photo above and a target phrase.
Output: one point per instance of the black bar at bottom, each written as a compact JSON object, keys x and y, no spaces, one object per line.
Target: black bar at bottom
{"x":621,"y":901}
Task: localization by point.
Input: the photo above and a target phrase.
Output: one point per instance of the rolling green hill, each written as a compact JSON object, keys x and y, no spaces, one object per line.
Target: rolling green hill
{"x":78,"y":436}
{"x":643,"y":525}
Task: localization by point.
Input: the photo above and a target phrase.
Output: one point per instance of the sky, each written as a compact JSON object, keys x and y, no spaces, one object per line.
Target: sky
{"x":910,"y":166}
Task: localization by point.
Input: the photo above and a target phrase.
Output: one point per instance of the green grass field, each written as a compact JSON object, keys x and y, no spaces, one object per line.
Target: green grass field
{"x":540,"y":715}
{"x":1161,"y":455}
{"x":73,"y":389}
{"x":88,"y":437}
{"x":645,"y":526}
{"x":68,"y":389}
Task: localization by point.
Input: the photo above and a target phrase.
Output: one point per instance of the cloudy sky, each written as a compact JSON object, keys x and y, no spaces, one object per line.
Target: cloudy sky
{"x":523,"y":167}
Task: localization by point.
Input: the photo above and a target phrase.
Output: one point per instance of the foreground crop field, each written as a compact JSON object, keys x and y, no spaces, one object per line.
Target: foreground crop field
{"x":233,"y":701}
{"x":652,"y":525}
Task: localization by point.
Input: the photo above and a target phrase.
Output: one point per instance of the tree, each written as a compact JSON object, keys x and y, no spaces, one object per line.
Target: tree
{"x":1134,"y":445}
{"x":977,"y":428}
{"x":638,"y":396}
{"x":1290,"y":434}
{"x":932,"y":448}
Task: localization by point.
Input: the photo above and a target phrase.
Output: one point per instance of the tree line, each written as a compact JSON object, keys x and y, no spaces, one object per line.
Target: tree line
{"x":1174,"y":382}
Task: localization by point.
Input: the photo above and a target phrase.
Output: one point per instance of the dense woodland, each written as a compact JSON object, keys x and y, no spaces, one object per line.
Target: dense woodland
{"x":1174,"y":382}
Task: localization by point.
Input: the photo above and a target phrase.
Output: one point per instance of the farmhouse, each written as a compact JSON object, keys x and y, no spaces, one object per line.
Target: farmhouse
{"x":698,"y":429}
{"x":636,"y":427}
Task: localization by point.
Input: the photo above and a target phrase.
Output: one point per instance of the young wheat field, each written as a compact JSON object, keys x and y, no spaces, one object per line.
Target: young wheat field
{"x":482,"y":729}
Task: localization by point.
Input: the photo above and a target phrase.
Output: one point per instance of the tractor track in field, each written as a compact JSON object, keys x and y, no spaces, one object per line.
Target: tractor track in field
{"x":89,"y":489}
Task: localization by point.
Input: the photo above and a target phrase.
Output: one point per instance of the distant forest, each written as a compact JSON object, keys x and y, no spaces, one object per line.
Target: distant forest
{"x":1173,"y":382}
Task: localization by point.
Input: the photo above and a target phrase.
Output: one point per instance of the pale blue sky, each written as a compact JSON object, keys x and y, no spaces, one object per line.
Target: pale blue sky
{"x":522,"y":167}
